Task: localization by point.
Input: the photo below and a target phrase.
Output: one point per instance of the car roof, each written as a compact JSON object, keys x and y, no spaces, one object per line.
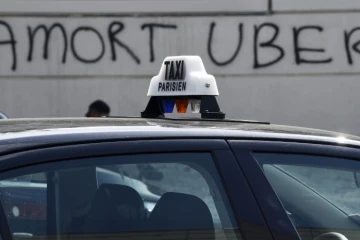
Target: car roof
{"x":34,"y":132}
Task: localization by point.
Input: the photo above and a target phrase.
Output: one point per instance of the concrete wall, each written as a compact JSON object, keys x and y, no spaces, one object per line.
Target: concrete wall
{"x":285,"y":61}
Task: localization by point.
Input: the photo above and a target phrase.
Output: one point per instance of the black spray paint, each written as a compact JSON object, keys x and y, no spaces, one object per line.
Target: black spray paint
{"x":73,"y":47}
{"x":298,"y":49}
{"x":47,"y":35}
{"x":355,"y":46}
{"x":151,"y":27}
{"x":11,"y":40}
{"x":237,"y":50}
{"x":115,"y":29}
{"x":270,"y":43}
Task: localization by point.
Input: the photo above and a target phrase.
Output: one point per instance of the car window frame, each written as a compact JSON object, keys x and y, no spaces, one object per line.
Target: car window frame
{"x":5,"y":232}
{"x":221,"y":153}
{"x":261,"y":187}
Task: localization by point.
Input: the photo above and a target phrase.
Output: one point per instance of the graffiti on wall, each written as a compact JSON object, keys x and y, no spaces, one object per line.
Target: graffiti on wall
{"x":135,"y":45}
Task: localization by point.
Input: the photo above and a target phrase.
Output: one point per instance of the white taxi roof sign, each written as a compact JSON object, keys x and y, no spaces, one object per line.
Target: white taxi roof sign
{"x":183,"y":76}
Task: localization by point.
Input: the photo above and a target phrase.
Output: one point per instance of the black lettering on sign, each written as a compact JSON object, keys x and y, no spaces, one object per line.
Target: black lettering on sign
{"x":113,"y":30}
{"x":174,"y":70}
{"x":152,"y":27}
{"x":47,"y":32}
{"x":178,"y":70}
{"x":298,"y":59}
{"x":73,"y":49}
{"x":166,"y":69}
{"x":11,"y":40}
{"x":183,"y":86}
{"x":182,"y":70}
{"x":355,"y":46}
{"x":171,"y":72}
{"x":237,"y":50}
{"x":172,"y":86}
{"x":267,"y":44}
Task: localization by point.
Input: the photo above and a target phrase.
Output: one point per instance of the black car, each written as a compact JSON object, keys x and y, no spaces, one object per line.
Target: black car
{"x":156,"y":178}
{"x":194,"y":179}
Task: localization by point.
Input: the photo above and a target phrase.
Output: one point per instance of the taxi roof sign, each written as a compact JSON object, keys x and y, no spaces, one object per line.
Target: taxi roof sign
{"x":183,"y":76}
{"x":183,"y":80}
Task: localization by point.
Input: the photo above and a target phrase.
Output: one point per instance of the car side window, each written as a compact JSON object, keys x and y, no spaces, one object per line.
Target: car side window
{"x":169,"y":192}
{"x":321,"y":194}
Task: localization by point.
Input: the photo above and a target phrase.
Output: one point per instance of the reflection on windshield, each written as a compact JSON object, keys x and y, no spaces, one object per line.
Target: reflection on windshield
{"x":336,"y":185}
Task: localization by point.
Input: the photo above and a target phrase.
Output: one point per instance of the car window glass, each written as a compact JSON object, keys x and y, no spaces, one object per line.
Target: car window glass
{"x":319,"y":193}
{"x":119,"y":194}
{"x":23,"y":199}
{"x":336,"y":185}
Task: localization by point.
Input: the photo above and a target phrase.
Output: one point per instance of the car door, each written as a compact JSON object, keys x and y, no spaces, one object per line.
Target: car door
{"x":306,"y":191}
{"x":146,"y":189}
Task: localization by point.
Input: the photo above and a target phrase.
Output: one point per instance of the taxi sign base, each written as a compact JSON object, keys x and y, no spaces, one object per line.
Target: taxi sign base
{"x":153,"y":109}
{"x":209,"y":107}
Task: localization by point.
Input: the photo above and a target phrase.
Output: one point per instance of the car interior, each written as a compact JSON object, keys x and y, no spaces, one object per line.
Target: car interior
{"x":311,"y":213}
{"x":85,"y":207}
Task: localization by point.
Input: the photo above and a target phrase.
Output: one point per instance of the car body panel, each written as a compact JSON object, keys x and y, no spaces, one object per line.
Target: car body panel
{"x":30,"y":142}
{"x":248,"y":213}
{"x":275,"y":215}
{"x":83,"y":150}
{"x":33,"y":133}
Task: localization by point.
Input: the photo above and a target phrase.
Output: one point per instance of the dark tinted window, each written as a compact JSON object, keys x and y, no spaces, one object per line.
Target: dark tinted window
{"x":320,"y":194}
{"x":119,"y":195}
